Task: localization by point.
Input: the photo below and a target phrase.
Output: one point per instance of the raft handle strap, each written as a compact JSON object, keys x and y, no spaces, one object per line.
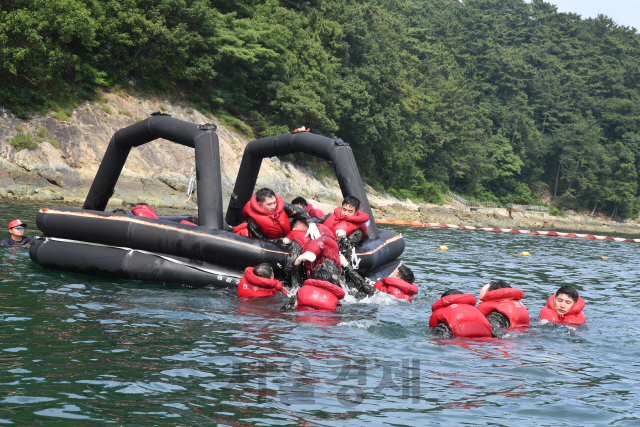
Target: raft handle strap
{"x":208,"y":126}
{"x":339,"y":142}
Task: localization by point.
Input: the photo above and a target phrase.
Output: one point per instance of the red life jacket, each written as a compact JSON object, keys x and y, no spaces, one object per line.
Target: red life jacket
{"x":242,"y":229}
{"x":507,"y":302}
{"x":253,"y":286}
{"x":575,"y":316}
{"x":298,"y":236}
{"x":275,"y":225}
{"x":184,"y":221}
{"x":314,"y":213}
{"x":323,"y":247}
{"x":397,"y":287}
{"x":460,"y":313}
{"x":144,"y":211}
{"x":347,"y":223}
{"x":319,"y":295}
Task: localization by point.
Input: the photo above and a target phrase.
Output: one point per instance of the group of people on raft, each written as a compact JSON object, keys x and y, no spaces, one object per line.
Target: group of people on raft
{"x":321,"y":253}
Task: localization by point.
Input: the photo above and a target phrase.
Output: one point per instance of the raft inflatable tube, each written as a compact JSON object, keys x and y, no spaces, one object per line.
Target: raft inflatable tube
{"x":162,"y":249}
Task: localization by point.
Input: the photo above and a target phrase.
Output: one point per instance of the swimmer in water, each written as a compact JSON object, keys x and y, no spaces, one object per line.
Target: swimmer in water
{"x":500,"y":303}
{"x":16,"y":235}
{"x":564,"y":307}
{"x":455,"y":315}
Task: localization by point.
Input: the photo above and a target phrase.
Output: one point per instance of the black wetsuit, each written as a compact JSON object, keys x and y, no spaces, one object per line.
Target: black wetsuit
{"x":293,"y":212}
{"x":346,"y":244}
{"x":296,"y":273}
{"x":10,"y":242}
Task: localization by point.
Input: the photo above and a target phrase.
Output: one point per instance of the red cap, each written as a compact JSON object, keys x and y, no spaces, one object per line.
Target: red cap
{"x":144,"y":211}
{"x":16,"y":222}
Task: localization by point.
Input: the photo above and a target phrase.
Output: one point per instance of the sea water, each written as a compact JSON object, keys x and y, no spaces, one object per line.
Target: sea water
{"x":81,"y":350}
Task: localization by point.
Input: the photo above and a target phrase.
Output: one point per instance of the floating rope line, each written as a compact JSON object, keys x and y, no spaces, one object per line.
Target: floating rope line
{"x":504,"y":230}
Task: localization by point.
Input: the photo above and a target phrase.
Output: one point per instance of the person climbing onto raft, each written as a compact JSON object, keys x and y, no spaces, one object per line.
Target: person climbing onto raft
{"x":349,"y":224}
{"x":258,"y":282}
{"x":16,"y":235}
{"x":320,"y":292}
{"x":500,"y":304}
{"x":268,"y":217}
{"x":302,"y":203}
{"x":455,"y":315}
{"x":565,"y":306}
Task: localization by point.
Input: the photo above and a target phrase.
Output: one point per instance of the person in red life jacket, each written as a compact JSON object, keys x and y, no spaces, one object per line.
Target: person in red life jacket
{"x":144,"y":211}
{"x":399,"y":284}
{"x":349,"y":224}
{"x":320,"y":292}
{"x":16,"y":235}
{"x":268,"y":217}
{"x":455,"y":315}
{"x":302,"y":203}
{"x":500,"y":304}
{"x":258,"y":282}
{"x":564,"y":307}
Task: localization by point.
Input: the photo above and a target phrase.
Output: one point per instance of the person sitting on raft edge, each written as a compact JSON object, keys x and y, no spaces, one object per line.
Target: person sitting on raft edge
{"x":455,"y":315}
{"x":258,"y":282}
{"x":399,"y":284}
{"x":16,"y":235}
{"x":349,"y":224}
{"x":500,"y":304}
{"x":268,"y":217}
{"x":565,"y":307}
{"x":302,"y":203}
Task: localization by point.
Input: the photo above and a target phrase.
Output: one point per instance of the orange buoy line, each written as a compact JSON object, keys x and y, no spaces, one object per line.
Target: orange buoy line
{"x":503,"y":230}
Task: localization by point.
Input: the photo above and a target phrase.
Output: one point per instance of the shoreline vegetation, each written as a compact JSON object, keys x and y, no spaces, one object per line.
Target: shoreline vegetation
{"x":506,"y":101}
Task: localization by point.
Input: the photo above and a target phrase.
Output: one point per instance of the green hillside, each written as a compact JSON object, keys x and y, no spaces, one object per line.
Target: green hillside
{"x":499,"y":100}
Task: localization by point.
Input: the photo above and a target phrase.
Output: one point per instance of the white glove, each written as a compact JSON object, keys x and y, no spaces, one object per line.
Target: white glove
{"x":313,"y":231}
{"x":340,"y":234}
{"x":355,"y":261}
{"x":307,"y":256}
{"x":286,"y":241}
{"x":343,"y":261}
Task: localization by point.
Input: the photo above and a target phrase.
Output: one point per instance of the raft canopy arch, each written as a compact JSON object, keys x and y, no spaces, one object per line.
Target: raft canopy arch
{"x":201,"y":137}
{"x":335,"y":151}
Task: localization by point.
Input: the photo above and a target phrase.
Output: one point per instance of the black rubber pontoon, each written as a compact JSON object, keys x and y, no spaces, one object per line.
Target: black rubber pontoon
{"x":91,"y":241}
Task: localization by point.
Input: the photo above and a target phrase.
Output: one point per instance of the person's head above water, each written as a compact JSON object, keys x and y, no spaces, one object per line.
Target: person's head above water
{"x":300,"y":201}
{"x":266,"y":198}
{"x":498,"y":284}
{"x":492,"y":286}
{"x":404,"y":273}
{"x":120,"y":211}
{"x":16,"y":229}
{"x":299,"y":224}
{"x":450,"y":292}
{"x":350,"y":206}
{"x":263,"y":270}
{"x":324,"y":274}
{"x":565,"y":298}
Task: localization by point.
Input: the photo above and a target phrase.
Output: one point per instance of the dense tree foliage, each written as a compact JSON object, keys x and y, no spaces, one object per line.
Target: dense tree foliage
{"x":502,"y":100}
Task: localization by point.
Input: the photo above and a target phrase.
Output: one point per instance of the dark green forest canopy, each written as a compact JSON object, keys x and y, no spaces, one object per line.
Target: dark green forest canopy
{"x":500,"y":100}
